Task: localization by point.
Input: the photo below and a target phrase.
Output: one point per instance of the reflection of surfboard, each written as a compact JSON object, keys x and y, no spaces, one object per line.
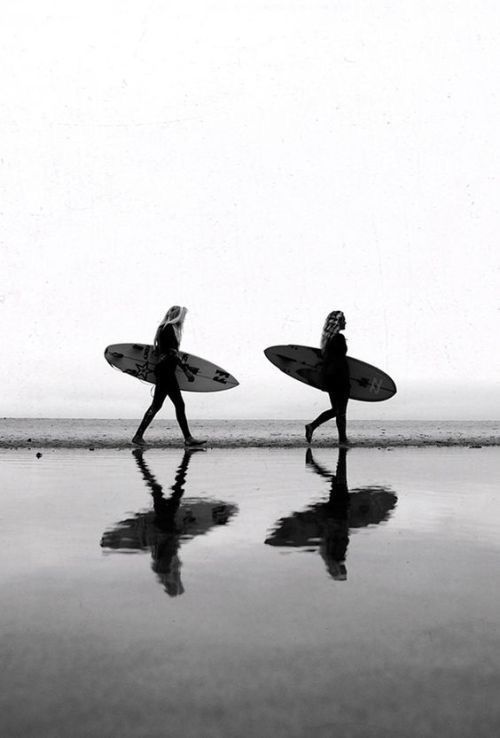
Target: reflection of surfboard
{"x":193,"y":517}
{"x":304,"y":363}
{"x":139,"y":360}
{"x":363,"y":507}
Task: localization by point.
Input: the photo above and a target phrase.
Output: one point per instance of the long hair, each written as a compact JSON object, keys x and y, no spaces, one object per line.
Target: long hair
{"x":331,"y":326}
{"x":175,"y":317}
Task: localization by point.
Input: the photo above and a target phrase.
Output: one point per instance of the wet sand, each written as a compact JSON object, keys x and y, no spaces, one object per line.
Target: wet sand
{"x":105,"y":433}
{"x":250,"y":592}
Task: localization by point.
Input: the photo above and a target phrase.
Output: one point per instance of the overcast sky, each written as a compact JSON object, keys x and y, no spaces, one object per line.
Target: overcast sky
{"x":262,"y":163}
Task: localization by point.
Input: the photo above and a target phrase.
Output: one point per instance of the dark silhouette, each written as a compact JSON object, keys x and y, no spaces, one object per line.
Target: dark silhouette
{"x":334,"y":375}
{"x":169,"y":524}
{"x":166,"y":344}
{"x":325,"y":526}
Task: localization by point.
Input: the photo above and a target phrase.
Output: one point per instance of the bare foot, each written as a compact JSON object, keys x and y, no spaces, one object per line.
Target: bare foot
{"x":192,"y":442}
{"x":138,"y":441}
{"x":309,"y":433}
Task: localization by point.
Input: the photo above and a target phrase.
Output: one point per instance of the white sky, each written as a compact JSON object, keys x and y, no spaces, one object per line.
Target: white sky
{"x":261,"y":163}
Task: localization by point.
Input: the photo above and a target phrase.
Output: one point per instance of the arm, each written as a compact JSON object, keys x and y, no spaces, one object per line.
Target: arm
{"x":185,"y":368}
{"x":166,"y":344}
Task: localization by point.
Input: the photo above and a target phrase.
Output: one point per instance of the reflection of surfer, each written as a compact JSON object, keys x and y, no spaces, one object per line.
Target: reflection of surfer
{"x":173,"y":521}
{"x":333,"y":546}
{"x":326,"y":525}
{"x":166,"y":343}
{"x":166,"y":563}
{"x":335,"y":375}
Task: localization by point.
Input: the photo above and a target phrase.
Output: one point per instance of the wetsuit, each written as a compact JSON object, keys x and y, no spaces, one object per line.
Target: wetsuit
{"x":166,"y":381}
{"x":335,"y":371}
{"x":336,"y":381}
{"x":167,"y":345}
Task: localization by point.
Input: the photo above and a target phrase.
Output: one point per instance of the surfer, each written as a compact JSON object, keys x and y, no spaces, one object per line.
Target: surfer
{"x":166,"y":344}
{"x":335,"y":376}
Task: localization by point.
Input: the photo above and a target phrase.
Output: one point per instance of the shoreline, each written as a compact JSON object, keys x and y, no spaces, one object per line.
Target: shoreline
{"x":388,"y":443}
{"x":80,"y":433}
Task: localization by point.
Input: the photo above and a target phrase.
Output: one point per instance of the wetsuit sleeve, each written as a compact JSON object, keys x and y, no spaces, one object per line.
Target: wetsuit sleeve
{"x":167,"y":340}
{"x":342,"y":344}
{"x":337,"y":346}
{"x":168,"y":346}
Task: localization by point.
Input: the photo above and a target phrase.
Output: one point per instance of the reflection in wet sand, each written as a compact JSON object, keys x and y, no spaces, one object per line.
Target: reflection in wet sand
{"x":170,"y":523}
{"x":325,"y":526}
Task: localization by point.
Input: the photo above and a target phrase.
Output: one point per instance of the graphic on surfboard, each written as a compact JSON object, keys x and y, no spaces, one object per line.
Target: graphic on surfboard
{"x":139,"y":360}
{"x":304,"y":363}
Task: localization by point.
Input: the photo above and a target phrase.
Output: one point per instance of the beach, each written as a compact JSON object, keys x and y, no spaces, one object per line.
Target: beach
{"x":117,"y":433}
{"x":249,"y":591}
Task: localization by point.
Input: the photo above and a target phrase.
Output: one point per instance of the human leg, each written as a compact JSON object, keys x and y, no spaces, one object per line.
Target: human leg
{"x":158,"y":398}
{"x":175,"y":395}
{"x":322,"y":418}
{"x":338,"y":400}
{"x":180,"y":413}
{"x":341,"y":419}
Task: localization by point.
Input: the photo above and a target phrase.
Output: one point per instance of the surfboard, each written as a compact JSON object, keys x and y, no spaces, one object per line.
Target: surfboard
{"x":303,"y":363}
{"x":139,"y":360}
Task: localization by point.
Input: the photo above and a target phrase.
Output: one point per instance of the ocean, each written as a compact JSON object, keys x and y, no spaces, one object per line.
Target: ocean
{"x":106,"y":433}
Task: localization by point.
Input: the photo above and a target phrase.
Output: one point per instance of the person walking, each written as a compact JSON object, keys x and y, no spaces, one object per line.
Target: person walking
{"x":335,"y":376}
{"x":166,"y":344}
